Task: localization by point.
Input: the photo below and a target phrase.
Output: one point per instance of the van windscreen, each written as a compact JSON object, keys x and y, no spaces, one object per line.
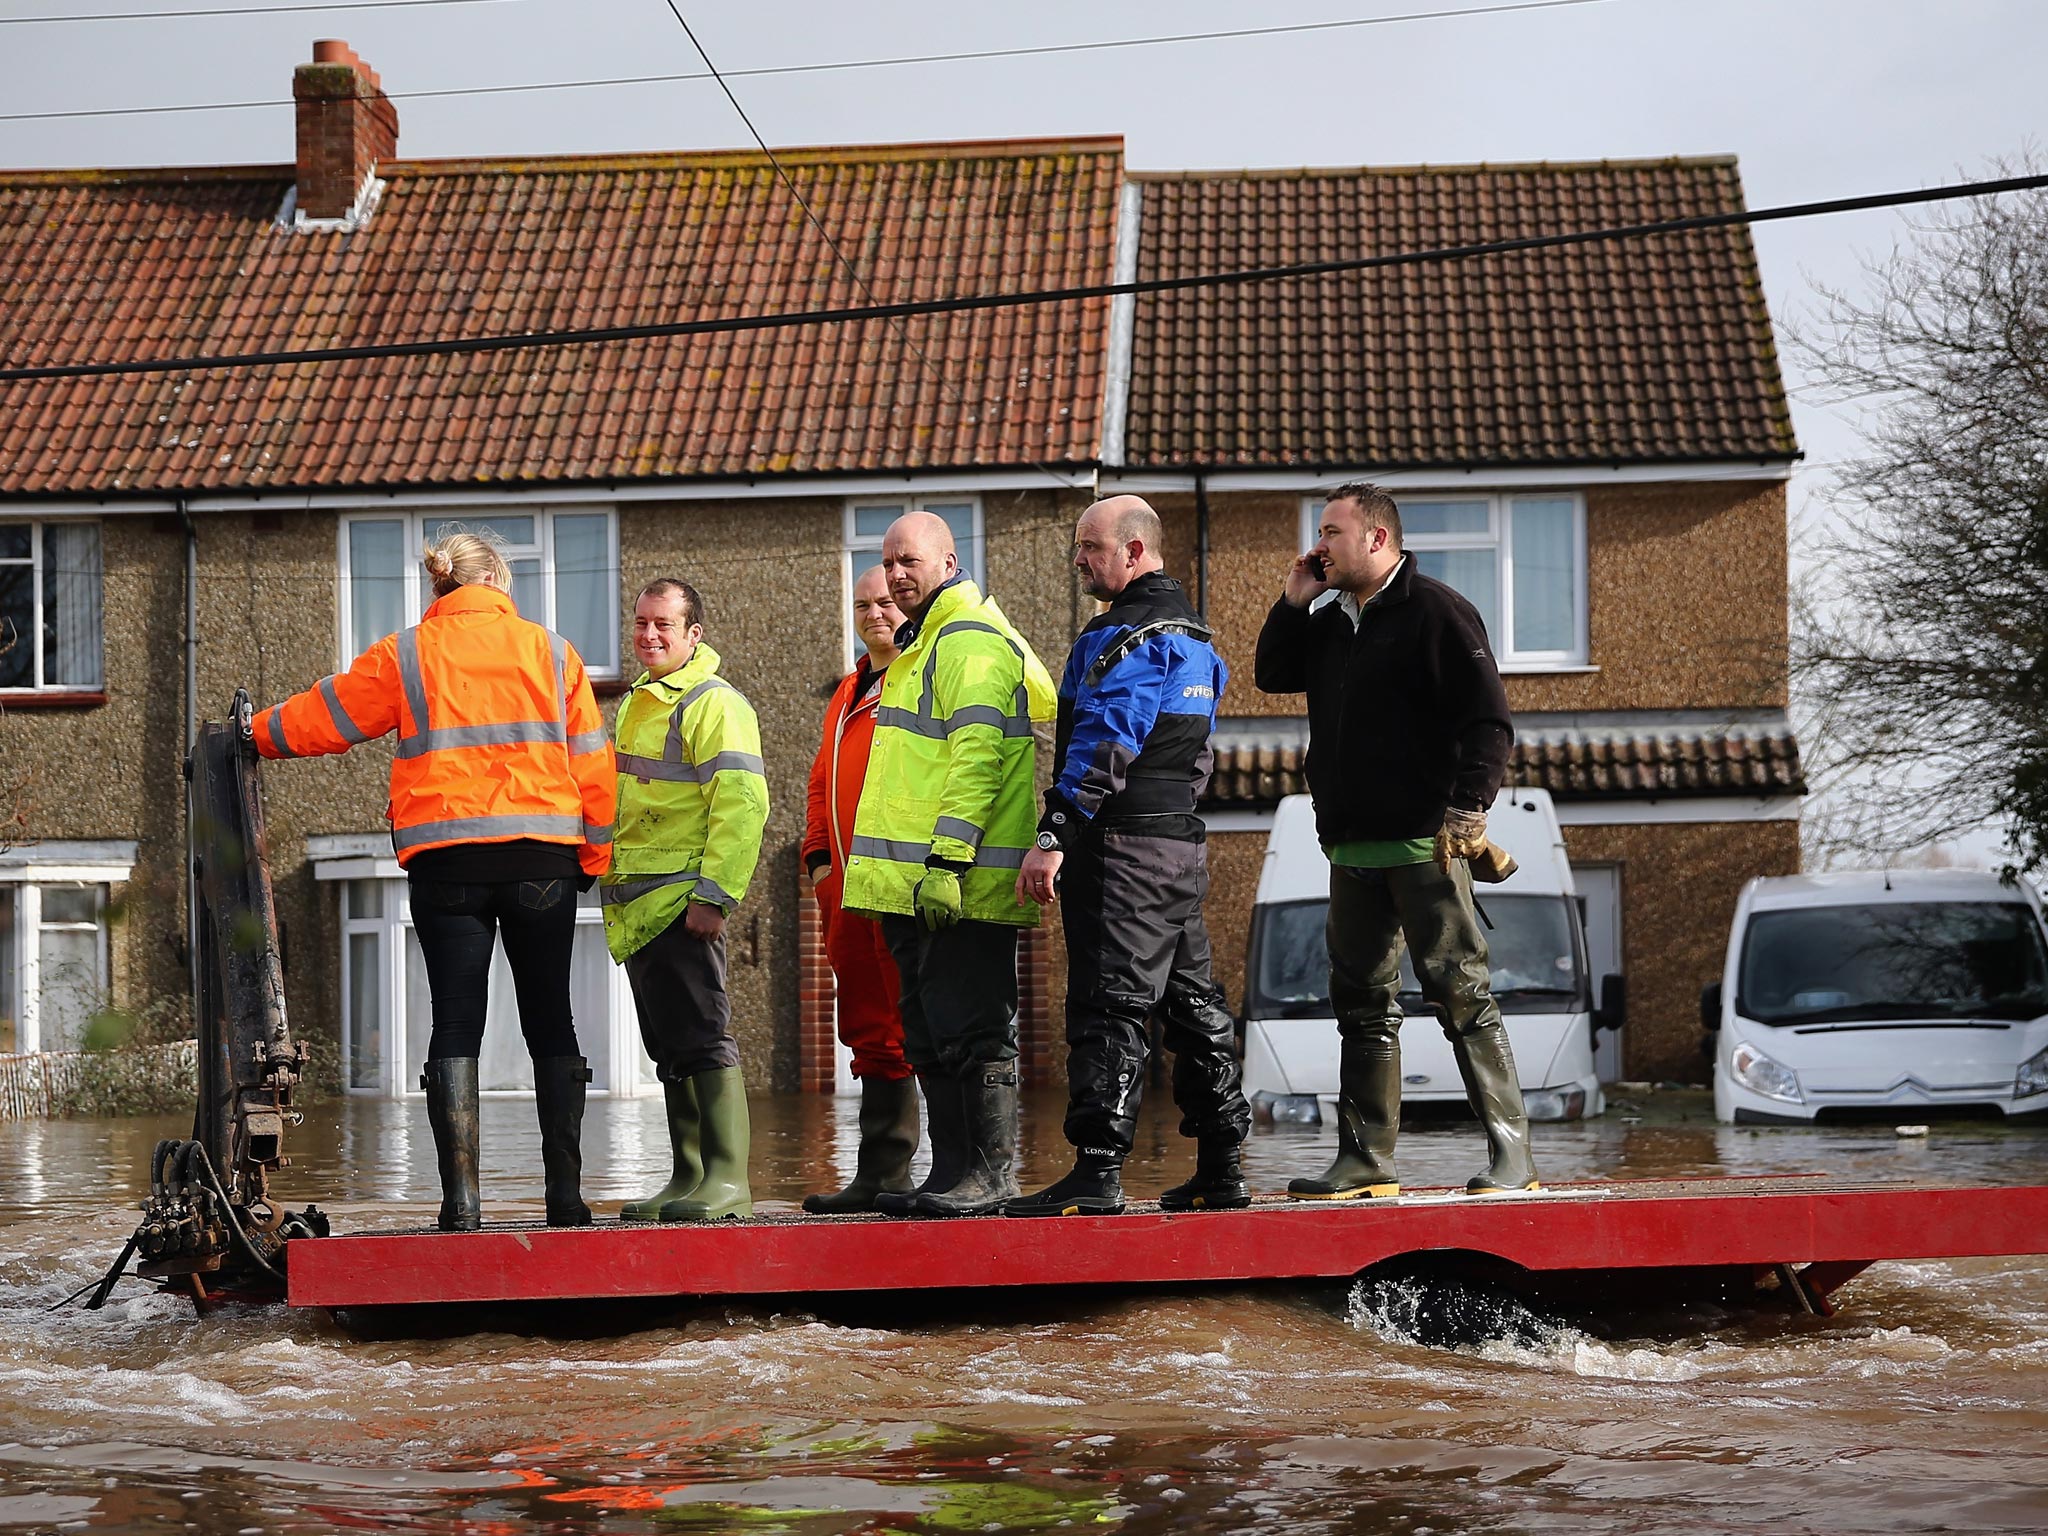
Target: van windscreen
{"x":1905,"y":960}
{"x":1535,"y":961}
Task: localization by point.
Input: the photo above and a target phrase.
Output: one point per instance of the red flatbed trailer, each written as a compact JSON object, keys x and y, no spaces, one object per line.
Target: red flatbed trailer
{"x":1810,"y":1233}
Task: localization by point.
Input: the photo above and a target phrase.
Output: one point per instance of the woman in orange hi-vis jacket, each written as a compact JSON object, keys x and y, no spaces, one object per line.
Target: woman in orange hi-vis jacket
{"x":864,"y":974}
{"x":502,"y":801}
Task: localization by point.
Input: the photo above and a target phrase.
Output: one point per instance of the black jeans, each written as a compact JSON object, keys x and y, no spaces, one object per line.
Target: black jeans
{"x":457,"y":925}
{"x":1137,"y":946}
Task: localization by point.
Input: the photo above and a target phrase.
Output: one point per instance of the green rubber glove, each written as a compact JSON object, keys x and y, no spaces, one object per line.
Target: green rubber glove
{"x":937,"y":899}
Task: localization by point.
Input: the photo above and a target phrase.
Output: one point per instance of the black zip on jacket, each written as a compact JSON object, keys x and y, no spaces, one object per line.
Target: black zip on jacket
{"x":1407,"y":715}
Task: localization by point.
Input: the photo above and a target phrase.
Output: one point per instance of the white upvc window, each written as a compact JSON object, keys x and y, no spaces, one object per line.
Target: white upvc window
{"x":50,"y":613}
{"x":565,"y":574}
{"x":387,"y":1016}
{"x":869,"y":517}
{"x":1519,"y":558}
{"x":53,"y":940}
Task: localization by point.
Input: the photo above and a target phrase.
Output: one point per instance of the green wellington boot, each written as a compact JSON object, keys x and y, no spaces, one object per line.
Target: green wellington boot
{"x":1368,"y":1120}
{"x":947,"y":1134}
{"x":689,"y":1159}
{"x":558,"y":1092}
{"x":888,"y":1137}
{"x":1487,"y":1062}
{"x":725,"y":1133}
{"x":450,"y":1085}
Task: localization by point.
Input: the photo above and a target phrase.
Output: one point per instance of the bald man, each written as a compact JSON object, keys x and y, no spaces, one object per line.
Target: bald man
{"x":944,"y":822}
{"x":1121,"y":837}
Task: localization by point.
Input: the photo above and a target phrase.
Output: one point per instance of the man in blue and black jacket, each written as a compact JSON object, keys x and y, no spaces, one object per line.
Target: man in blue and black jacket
{"x":1121,"y":838}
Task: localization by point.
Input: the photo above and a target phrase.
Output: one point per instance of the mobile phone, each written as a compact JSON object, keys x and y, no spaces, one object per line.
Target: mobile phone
{"x":1315,"y":566}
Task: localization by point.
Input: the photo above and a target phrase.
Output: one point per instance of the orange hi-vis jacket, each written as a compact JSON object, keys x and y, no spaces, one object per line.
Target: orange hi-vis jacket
{"x":498,"y":732}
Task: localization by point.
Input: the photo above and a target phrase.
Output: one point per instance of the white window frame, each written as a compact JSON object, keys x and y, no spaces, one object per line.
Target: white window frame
{"x":864,"y":550}
{"x":28,"y":882}
{"x":419,"y":524}
{"x":34,"y":637}
{"x":1498,"y":538}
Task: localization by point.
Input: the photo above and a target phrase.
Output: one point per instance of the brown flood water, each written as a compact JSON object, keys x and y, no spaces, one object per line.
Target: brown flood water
{"x":1923,"y":1405}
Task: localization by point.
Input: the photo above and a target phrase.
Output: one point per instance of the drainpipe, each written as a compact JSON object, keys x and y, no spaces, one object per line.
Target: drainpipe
{"x":191,"y":737}
{"x":1201,"y":546}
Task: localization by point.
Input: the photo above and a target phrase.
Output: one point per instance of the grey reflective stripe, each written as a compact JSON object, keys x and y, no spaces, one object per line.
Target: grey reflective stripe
{"x":276,"y":730}
{"x":689,"y":773}
{"x":350,"y":732}
{"x":915,"y":853}
{"x":706,"y":886}
{"x":474,"y":828}
{"x":966,"y":715}
{"x":886,"y":848}
{"x":589,"y":741}
{"x":450,"y":738}
{"x":597,"y":836}
{"x":617,"y":895}
{"x":412,"y":679}
{"x":952,"y":826}
{"x":561,"y":649}
{"x":673,"y":749}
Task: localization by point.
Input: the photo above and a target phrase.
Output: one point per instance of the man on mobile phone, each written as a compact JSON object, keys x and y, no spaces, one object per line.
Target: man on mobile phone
{"x":1409,"y":738}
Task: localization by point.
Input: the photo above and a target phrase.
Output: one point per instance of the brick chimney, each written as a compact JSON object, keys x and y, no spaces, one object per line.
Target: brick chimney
{"x":346,"y":125}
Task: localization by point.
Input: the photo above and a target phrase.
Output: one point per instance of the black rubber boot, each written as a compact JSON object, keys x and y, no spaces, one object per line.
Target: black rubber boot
{"x":450,"y":1084}
{"x":1487,"y":1062}
{"x":558,"y":1089}
{"x":1218,"y":1184}
{"x":988,"y":1177}
{"x":1368,"y":1120}
{"x":946,"y":1131}
{"x":1094,"y":1188}
{"x":888,"y":1137}
{"x":683,"y":1139}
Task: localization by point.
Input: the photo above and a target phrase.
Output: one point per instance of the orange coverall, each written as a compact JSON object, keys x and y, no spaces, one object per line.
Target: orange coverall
{"x":862,"y":969}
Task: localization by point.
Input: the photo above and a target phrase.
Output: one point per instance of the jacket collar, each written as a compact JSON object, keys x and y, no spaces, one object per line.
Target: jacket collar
{"x":474,"y":598}
{"x":703,"y":663}
{"x":955,"y":595}
{"x":1150,"y":589}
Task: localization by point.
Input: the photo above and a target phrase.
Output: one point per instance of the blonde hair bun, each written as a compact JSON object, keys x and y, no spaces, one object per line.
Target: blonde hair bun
{"x":460,"y":557}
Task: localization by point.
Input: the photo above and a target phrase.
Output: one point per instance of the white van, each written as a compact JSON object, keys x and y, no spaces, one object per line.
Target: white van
{"x":1909,"y":992}
{"x":1538,"y":948}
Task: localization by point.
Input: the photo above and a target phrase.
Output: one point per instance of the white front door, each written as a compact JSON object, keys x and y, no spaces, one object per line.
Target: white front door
{"x":1599,"y":888}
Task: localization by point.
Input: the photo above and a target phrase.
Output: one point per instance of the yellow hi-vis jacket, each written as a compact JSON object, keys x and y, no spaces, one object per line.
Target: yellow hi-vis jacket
{"x":951,"y":771}
{"x":693,"y":799}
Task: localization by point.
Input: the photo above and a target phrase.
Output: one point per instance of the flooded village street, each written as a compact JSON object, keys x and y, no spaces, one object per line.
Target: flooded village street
{"x":1923,"y":1405}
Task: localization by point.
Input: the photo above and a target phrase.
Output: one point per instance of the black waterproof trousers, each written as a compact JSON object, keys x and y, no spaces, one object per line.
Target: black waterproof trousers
{"x":1137,"y":944}
{"x":959,"y":993}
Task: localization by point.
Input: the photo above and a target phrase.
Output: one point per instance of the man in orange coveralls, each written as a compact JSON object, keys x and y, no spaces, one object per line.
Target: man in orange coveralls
{"x":865,"y":976}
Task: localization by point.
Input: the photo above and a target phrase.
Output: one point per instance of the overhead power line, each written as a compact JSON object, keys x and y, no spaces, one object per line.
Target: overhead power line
{"x":237,"y":10}
{"x":727,"y":325}
{"x":765,"y":71}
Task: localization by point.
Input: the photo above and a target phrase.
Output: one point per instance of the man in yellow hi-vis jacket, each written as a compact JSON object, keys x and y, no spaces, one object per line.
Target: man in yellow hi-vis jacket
{"x":945,"y":818}
{"x":693,"y":800}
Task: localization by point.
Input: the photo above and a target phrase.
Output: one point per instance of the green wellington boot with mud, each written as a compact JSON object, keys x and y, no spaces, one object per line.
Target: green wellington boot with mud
{"x":689,"y":1160}
{"x":1495,"y":1091}
{"x":1368,"y":1120}
{"x":888,"y":1139}
{"x":724,"y":1134}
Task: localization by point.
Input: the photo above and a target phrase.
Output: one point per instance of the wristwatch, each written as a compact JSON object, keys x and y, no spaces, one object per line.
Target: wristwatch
{"x":1049,"y":841}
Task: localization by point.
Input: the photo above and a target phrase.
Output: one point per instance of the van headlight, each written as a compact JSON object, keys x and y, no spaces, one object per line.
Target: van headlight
{"x":1555,"y":1103}
{"x":1758,"y":1073}
{"x":2032,"y":1076}
{"x":1287,"y":1108}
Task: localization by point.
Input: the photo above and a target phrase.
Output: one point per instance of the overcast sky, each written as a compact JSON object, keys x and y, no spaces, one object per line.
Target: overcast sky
{"x":1818,"y":98}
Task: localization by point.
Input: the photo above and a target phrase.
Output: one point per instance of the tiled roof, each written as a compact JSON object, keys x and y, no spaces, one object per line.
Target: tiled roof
{"x":110,"y":265}
{"x":1572,"y":765}
{"x":1651,"y":349}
